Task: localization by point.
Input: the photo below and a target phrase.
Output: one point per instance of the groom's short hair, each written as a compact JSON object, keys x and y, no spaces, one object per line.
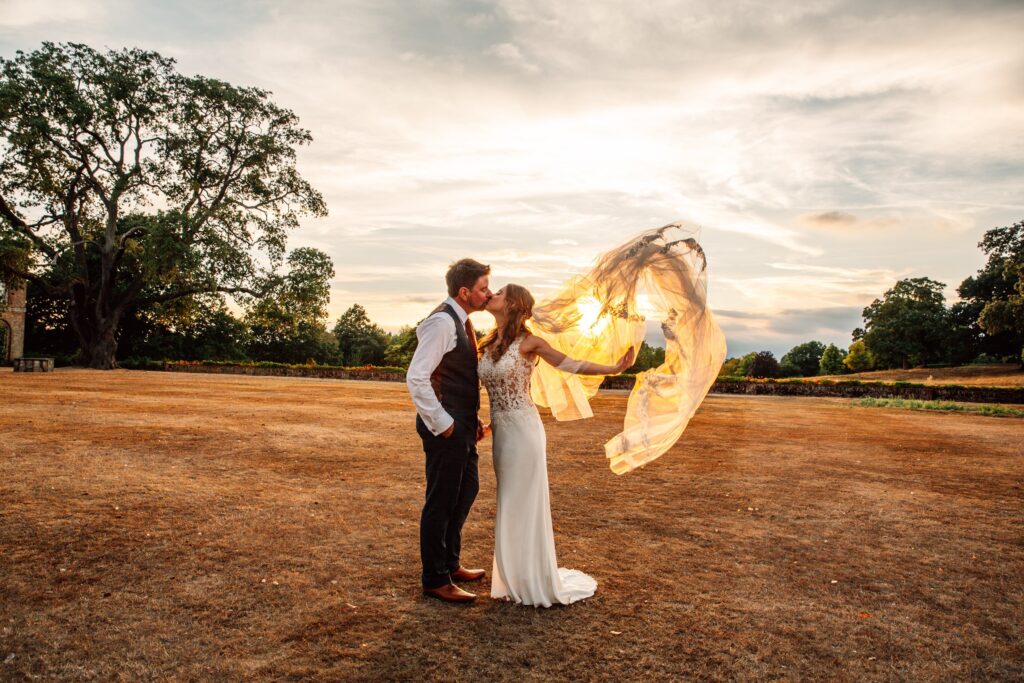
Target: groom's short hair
{"x":464,"y":273}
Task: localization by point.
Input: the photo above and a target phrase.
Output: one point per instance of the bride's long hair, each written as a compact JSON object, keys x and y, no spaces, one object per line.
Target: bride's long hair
{"x":518,"y":309}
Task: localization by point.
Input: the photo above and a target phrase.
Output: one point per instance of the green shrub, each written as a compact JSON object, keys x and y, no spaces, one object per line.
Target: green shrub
{"x":942,"y":406}
{"x":136,"y":363}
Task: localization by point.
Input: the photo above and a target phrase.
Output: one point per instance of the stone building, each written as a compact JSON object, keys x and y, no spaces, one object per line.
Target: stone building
{"x":12,"y":323}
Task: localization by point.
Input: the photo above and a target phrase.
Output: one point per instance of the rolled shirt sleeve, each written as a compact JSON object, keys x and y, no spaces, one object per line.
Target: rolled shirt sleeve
{"x":435,"y":336}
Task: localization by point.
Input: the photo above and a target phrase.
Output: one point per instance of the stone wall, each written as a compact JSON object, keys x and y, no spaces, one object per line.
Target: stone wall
{"x":853,"y":389}
{"x":841,"y":389}
{"x":319,"y":371}
{"x":13,"y":313}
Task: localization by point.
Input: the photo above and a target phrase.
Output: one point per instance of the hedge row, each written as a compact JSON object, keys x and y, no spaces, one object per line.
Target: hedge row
{"x":368,"y":372}
{"x":857,"y":389}
{"x":724,"y":385}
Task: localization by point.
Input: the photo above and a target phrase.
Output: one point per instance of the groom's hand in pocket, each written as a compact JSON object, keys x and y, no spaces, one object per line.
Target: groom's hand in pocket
{"x":446,"y":434}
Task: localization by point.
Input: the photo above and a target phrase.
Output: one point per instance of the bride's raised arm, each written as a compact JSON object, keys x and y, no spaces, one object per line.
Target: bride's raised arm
{"x":534,"y":345}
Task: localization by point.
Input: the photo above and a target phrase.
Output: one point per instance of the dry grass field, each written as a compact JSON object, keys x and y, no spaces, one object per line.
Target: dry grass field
{"x":1009,"y":375}
{"x":157,"y":526}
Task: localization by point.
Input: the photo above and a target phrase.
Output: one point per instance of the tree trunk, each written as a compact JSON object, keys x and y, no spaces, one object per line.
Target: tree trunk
{"x":102,"y":349}
{"x":97,"y":343}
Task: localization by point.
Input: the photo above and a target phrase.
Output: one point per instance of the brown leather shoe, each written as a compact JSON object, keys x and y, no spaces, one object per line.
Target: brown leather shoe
{"x":465,"y":575}
{"x":450,"y":593}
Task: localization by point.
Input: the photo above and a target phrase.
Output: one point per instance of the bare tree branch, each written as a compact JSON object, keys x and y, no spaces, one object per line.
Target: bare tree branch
{"x":23,"y":228}
{"x":37,"y":280}
{"x":163,"y":298}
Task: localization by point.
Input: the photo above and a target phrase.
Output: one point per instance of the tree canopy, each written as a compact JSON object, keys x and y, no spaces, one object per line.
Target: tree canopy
{"x":287,"y":324}
{"x":125,"y":183}
{"x":764,"y":364}
{"x":831,"y":362}
{"x":802,"y":360}
{"x":401,"y":347}
{"x":910,"y":325}
{"x":859,"y":359}
{"x":648,"y":357}
{"x":994,"y":296}
{"x":737,"y":367}
{"x":360,"y":342}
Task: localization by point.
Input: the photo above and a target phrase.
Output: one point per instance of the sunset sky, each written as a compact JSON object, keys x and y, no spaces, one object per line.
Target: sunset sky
{"x":826,"y":149}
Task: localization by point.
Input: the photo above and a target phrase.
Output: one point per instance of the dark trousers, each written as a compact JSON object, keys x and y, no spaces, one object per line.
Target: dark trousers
{"x":452,"y":484}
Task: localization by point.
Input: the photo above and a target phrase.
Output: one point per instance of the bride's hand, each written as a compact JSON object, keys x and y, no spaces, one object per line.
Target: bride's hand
{"x":482,"y":430}
{"x":625,"y":362}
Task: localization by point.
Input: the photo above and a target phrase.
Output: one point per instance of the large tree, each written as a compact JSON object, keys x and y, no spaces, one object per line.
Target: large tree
{"x":136,"y":185}
{"x":910,"y":325}
{"x":993,"y":298}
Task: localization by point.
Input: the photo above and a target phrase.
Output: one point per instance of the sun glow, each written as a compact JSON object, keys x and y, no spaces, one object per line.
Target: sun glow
{"x":591,"y":321}
{"x":644,"y":305}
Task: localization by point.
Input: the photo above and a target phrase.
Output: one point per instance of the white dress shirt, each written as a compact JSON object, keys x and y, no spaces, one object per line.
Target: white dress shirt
{"x":436,"y":336}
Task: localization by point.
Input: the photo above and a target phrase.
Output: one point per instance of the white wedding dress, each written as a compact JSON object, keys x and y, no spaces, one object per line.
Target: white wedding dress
{"x":525,"y":569}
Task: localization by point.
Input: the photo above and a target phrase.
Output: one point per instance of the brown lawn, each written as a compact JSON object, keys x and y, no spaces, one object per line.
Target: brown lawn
{"x":1010,"y":375}
{"x":156,"y":526}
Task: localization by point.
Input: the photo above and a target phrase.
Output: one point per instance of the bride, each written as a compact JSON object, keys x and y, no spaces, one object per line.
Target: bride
{"x":525,"y":569}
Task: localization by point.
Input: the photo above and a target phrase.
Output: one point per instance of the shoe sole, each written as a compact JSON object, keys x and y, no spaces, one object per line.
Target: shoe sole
{"x":464,"y":601}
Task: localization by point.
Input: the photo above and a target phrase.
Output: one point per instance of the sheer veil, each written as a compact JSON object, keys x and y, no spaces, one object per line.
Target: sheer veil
{"x":596,"y":317}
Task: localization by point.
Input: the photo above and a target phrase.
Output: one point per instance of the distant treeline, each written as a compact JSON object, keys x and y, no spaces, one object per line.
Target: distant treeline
{"x":910,"y":325}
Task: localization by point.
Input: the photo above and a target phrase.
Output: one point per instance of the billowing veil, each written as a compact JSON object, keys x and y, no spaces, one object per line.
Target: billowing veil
{"x":595,"y":317}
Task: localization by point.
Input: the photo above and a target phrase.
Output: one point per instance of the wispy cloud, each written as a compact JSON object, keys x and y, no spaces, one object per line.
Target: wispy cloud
{"x":510,"y":55}
{"x":811,"y":286}
{"x":22,"y":14}
{"x":845,"y":222}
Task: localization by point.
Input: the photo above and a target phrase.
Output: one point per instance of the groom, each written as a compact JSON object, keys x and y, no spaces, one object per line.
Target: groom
{"x":445,"y":389}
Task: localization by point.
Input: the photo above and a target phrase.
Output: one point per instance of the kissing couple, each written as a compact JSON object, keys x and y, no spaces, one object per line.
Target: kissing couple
{"x":444,"y":380}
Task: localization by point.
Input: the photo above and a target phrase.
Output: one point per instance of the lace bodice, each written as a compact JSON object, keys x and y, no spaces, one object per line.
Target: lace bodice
{"x":508,"y":379}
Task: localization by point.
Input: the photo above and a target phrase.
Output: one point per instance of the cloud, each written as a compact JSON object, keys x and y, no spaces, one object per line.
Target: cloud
{"x":826,"y":149}
{"x":919,"y":219}
{"x":739,"y":315}
{"x":793,"y":321}
{"x":21,"y":14}
{"x":809,"y":286}
{"x":481,"y":20}
{"x":839,"y":220}
{"x":510,"y":55}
